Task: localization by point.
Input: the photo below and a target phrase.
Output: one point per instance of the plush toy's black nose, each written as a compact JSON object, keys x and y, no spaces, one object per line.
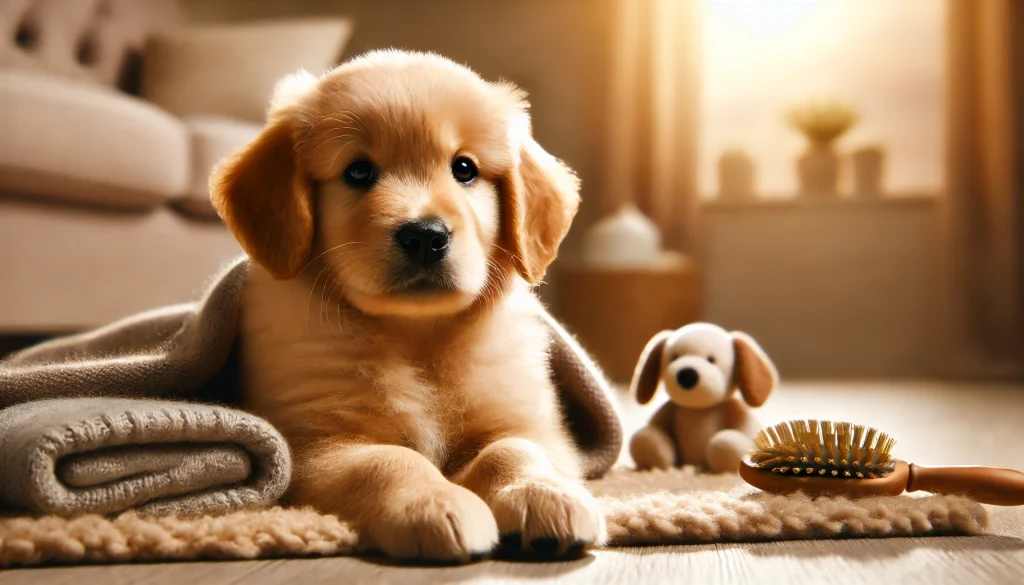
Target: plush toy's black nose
{"x":687,"y":378}
{"x":425,"y":242}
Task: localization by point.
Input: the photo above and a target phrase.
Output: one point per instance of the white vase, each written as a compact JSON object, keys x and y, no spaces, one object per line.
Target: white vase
{"x":736,"y":176}
{"x":818,"y":170}
{"x":868,"y":169}
{"x":624,"y":239}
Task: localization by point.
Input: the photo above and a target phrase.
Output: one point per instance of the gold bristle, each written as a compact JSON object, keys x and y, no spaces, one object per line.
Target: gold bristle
{"x":825,"y":448}
{"x":858,"y":436}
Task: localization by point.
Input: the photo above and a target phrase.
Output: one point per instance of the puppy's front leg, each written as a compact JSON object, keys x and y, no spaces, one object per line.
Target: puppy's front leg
{"x":397,"y":501}
{"x":539,"y":506}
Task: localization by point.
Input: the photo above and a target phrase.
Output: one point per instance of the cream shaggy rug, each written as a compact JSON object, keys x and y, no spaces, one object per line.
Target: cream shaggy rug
{"x":641,"y":508}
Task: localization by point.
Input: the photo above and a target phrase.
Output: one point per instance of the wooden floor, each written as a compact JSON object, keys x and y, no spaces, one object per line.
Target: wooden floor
{"x":933,"y":423}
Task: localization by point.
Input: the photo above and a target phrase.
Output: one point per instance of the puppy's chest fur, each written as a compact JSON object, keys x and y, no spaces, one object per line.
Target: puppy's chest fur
{"x":326,"y":372}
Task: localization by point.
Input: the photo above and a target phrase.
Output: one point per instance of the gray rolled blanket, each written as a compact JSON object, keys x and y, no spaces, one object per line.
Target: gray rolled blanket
{"x":105,"y":455}
{"x":142,"y":414}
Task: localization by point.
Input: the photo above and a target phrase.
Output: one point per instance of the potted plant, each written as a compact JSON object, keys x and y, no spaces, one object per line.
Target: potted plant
{"x":822,"y":122}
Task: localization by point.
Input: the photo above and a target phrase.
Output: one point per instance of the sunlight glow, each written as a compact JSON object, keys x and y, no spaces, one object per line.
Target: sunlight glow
{"x":883,"y":57}
{"x":765,"y":17}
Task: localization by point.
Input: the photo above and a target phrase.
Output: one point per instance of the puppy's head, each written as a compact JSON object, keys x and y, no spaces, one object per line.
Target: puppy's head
{"x":414,"y":181}
{"x":701,"y":364}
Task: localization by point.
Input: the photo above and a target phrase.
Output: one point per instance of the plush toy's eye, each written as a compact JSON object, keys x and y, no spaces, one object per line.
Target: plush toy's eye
{"x":711,"y":359}
{"x":464,"y":170}
{"x":360,"y":174}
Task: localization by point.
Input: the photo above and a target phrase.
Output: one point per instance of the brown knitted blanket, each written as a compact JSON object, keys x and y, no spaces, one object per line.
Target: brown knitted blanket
{"x":138,"y":414}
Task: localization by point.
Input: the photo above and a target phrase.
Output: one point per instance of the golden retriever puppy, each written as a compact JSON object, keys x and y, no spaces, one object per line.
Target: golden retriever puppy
{"x":397,"y":211}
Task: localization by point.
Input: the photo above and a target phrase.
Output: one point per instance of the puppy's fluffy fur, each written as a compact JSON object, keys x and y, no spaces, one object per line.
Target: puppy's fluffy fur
{"x":420,"y":411}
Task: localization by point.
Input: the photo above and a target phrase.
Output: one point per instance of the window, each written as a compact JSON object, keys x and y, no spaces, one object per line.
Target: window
{"x":883,"y":57}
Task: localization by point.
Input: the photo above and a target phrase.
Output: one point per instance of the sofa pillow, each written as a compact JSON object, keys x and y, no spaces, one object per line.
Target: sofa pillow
{"x":230,"y":70}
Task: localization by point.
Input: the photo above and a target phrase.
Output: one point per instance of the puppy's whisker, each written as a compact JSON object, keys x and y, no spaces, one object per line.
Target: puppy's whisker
{"x":503,"y":283}
{"x":312,"y":289}
{"x":329,"y":250}
{"x":380,"y":260}
{"x":496,"y":288}
{"x":325,"y":267}
{"x":327,"y":294}
{"x":347,"y":121}
{"x":337,"y":293}
{"x":341,"y":281}
{"x":331,"y":297}
{"x":489,"y":290}
{"x":339,"y":274}
{"x":515,"y":257}
{"x":344,"y":135}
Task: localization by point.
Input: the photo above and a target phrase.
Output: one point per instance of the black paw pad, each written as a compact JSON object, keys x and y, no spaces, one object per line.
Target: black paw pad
{"x":545,"y":546}
{"x":512,"y":540}
{"x":576,"y":549}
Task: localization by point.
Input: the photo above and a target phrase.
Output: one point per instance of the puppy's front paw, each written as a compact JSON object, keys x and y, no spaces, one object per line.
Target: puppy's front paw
{"x":447,"y":524}
{"x":547,"y":517}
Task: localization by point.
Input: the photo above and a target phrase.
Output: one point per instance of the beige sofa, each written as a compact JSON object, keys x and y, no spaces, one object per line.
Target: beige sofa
{"x":104,"y":208}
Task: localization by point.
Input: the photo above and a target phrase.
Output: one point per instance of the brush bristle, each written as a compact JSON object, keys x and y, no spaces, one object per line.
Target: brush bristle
{"x":823,"y":449}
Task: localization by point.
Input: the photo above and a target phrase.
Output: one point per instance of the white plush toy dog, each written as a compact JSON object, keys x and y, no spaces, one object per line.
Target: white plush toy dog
{"x":704,"y":423}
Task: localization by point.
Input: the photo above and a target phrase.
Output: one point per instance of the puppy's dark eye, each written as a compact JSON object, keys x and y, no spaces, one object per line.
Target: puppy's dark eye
{"x":464,"y":170}
{"x":360,"y":174}
{"x":711,"y":359}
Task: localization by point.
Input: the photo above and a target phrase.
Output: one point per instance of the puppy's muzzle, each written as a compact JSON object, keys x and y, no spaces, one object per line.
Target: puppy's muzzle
{"x":424,"y":242}
{"x":687,"y":378}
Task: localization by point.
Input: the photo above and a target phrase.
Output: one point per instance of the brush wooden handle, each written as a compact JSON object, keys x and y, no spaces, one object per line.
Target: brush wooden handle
{"x":988,"y":485}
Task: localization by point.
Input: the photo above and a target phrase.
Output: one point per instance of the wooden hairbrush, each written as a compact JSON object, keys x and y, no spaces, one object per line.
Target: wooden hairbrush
{"x":838,"y":458}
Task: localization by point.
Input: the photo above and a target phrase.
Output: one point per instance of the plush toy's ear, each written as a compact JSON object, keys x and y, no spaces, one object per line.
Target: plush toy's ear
{"x":648,"y":370}
{"x":539,"y":200}
{"x":753,"y":373}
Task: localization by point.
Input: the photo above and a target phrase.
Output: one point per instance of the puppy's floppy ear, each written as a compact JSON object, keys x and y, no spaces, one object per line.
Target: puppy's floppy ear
{"x":753,"y":372}
{"x":539,"y":200}
{"x":264,"y":197}
{"x":648,"y":370}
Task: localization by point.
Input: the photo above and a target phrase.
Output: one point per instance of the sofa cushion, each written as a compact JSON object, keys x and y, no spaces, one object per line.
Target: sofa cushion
{"x":230,"y":70}
{"x":88,"y":143}
{"x":82,"y":39}
{"x":212,"y":140}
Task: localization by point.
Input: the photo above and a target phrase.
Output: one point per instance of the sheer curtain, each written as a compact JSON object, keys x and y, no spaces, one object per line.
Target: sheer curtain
{"x":984,"y":212}
{"x":654,"y":118}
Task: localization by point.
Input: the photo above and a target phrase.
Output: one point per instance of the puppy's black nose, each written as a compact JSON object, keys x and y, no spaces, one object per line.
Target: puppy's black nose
{"x":424,"y":242}
{"x":687,"y":378}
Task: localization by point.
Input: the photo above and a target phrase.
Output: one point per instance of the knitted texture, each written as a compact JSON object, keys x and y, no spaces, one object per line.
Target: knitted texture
{"x":641,"y":508}
{"x":160,"y":457}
